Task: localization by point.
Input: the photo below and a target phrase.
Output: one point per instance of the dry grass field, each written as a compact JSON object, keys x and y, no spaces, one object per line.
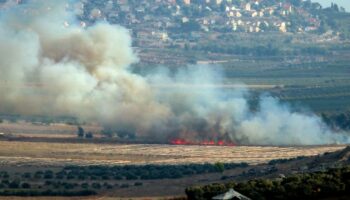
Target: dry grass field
{"x":60,"y":153}
{"x":56,"y":129}
{"x":57,"y":154}
{"x":60,"y":148}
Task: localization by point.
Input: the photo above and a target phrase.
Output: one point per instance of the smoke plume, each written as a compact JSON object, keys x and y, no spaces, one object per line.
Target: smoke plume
{"x":51,"y":66}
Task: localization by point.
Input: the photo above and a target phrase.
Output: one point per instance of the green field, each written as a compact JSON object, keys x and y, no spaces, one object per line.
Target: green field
{"x":319,"y":86}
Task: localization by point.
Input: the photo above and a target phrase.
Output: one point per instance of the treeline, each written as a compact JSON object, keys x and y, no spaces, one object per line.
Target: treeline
{"x":285,"y":160}
{"x":336,"y":19}
{"x":21,"y":192}
{"x":103,"y":173}
{"x":337,"y":121}
{"x":333,"y":183}
{"x":261,"y":50}
{"x":89,"y":180}
{"x":145,"y":172}
{"x":241,"y":50}
{"x":57,"y":187}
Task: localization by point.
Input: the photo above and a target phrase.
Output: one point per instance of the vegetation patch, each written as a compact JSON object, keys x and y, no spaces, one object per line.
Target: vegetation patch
{"x":332,"y":183}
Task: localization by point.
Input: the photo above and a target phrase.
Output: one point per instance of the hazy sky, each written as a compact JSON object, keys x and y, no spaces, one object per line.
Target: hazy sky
{"x":343,"y":3}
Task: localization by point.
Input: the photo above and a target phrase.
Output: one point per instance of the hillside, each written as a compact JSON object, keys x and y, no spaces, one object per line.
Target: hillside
{"x":198,"y":31}
{"x":211,"y":16}
{"x":305,"y":65}
{"x":321,"y":177}
{"x":174,"y":33}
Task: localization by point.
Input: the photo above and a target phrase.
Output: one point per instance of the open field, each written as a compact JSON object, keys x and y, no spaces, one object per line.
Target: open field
{"x":29,"y":146}
{"x":156,"y":188}
{"x":41,"y":153}
{"x":320,"y":86}
{"x":49,"y":130}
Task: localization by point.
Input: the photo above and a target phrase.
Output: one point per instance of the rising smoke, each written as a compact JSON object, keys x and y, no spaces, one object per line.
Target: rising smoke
{"x":50,"y":68}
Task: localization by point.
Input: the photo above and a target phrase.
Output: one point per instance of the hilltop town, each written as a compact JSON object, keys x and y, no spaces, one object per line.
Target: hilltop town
{"x":184,"y":27}
{"x":214,"y":26}
{"x":205,"y":15}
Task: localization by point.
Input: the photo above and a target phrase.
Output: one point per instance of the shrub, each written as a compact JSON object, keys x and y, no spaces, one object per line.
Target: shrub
{"x":26,"y":185}
{"x":70,"y":176}
{"x":96,"y":185}
{"x":138,"y":184}
{"x":220,"y":167}
{"x":69,"y":186}
{"x":80,"y":132}
{"x":59,"y":176}
{"x":85,"y":185}
{"x":27,"y":175}
{"x":48,"y":176}
{"x":125,"y":185}
{"x":89,"y":135}
{"x":81,"y":177}
{"x":5,"y":175}
{"x":14,"y":184}
{"x":332,"y":183}
{"x":107,"y":185}
{"x":118,"y":177}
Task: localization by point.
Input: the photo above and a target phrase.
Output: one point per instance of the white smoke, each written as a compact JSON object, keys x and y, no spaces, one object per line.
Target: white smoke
{"x":83,"y":72}
{"x":205,"y":110}
{"x":50,"y":68}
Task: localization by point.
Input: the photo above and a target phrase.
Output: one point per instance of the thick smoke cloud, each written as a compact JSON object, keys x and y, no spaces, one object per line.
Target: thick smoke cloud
{"x":80,"y":72}
{"x":50,"y":68}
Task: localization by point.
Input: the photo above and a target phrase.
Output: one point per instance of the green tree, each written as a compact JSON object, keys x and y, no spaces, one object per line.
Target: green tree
{"x":190,"y":26}
{"x":220,"y":167}
{"x":26,"y":185}
{"x":89,"y":135}
{"x":14,"y":184}
{"x":80,"y":132}
{"x":85,"y":185}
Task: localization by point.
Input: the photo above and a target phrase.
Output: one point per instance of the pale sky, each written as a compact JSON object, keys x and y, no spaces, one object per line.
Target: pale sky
{"x":327,"y":3}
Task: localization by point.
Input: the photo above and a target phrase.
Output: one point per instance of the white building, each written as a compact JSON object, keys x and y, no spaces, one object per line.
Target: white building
{"x":231,"y":194}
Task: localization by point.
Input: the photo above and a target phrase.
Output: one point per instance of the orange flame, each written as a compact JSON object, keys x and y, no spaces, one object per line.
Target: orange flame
{"x":180,"y":141}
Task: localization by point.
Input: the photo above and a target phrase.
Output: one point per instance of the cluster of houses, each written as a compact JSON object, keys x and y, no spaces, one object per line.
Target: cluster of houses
{"x":238,"y":15}
{"x":157,"y":19}
{"x":245,"y":18}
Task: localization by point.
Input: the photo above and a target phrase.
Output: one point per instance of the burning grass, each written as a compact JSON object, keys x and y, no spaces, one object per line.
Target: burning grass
{"x":201,"y":143}
{"x":179,"y":151}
